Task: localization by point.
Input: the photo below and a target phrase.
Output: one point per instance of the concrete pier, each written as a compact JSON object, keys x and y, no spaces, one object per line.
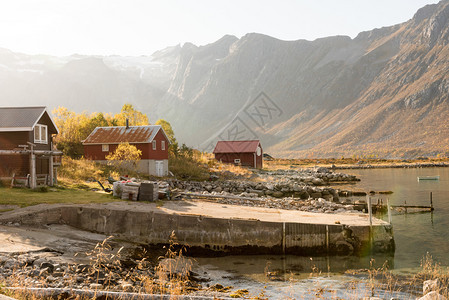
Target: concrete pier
{"x":212,"y":227}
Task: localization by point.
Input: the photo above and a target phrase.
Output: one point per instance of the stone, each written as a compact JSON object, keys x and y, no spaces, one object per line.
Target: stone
{"x":429,"y":286}
{"x":46,"y":265}
{"x":433,"y":296}
{"x":11,"y":264}
{"x":96,"y":286}
{"x":278,"y":194}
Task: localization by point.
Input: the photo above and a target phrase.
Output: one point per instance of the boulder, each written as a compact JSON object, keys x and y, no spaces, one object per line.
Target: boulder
{"x":278,"y":194}
{"x":432,"y":296}
{"x":430,"y":286}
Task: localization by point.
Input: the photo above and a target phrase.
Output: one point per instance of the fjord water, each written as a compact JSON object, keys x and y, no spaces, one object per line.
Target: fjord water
{"x":414,"y":233}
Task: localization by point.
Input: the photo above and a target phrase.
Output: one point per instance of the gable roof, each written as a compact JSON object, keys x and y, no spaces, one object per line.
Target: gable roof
{"x":236,"y":146}
{"x":23,"y":118}
{"x":121,"y":134}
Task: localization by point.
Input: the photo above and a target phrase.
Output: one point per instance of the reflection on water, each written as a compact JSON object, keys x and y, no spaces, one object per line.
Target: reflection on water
{"x":294,"y":277}
{"x":280,"y":277}
{"x":415,"y":234}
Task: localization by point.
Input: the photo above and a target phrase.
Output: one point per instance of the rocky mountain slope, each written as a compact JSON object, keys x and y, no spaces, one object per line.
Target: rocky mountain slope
{"x":383,"y":93}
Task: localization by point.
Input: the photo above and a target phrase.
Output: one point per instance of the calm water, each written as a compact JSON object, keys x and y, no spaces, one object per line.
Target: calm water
{"x":415,"y":234}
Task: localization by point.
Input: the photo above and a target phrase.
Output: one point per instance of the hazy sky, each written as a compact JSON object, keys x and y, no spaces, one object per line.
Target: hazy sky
{"x":140,"y":27}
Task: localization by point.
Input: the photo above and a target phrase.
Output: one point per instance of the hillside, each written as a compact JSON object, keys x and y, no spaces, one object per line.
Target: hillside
{"x":383,"y":93}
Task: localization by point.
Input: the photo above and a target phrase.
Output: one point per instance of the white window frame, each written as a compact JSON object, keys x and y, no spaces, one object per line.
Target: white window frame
{"x":162,"y":145}
{"x":105,"y":148}
{"x":40,"y":138}
{"x":154,"y":145}
{"x":237,"y":161}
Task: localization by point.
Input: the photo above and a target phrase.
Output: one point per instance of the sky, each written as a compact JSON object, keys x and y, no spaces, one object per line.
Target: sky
{"x":141,"y":27}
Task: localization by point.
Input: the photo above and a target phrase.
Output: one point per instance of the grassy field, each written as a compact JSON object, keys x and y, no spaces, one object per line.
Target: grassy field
{"x":26,"y":197}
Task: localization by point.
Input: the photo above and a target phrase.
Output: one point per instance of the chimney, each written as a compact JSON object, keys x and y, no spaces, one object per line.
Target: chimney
{"x":127,"y":123}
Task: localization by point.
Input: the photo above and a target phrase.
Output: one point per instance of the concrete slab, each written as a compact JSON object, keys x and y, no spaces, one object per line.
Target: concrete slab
{"x":224,"y":211}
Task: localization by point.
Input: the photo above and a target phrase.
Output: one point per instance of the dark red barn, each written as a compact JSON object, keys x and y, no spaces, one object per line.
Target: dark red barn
{"x":244,"y":153}
{"x":150,"y":139}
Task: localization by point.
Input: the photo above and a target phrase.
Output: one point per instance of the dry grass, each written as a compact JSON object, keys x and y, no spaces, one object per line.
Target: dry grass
{"x":106,"y":272}
{"x":188,"y":168}
{"x":327,"y":162}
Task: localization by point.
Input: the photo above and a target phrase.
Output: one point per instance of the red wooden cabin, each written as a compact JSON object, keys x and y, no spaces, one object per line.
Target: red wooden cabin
{"x":26,"y":148}
{"x":244,"y":153}
{"x":150,"y":139}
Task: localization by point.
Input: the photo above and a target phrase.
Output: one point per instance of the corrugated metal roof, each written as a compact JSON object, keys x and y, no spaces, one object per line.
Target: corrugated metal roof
{"x":121,"y":134}
{"x":22,"y":118}
{"x":236,"y":146}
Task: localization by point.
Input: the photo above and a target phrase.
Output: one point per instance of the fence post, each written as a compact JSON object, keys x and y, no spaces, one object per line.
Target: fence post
{"x":389,"y":211}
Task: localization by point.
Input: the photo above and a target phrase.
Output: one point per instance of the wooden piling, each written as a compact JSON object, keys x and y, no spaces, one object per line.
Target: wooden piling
{"x":431,"y":201}
{"x":389,"y":211}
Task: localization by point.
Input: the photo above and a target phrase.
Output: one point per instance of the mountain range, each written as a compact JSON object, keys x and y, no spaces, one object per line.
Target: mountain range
{"x":383,"y":93}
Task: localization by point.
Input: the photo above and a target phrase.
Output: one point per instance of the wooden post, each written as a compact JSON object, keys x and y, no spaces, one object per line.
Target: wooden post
{"x":32,"y":167}
{"x":370,"y":212}
{"x":51,"y":170}
{"x":389,"y":211}
{"x":431,"y":201}
{"x":283,"y":238}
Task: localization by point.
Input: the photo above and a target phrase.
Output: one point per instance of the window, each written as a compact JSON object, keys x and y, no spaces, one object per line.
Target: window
{"x":40,"y":134}
{"x":163,"y":145}
{"x":237,"y":160}
{"x":105,"y":148}
{"x":154,"y":145}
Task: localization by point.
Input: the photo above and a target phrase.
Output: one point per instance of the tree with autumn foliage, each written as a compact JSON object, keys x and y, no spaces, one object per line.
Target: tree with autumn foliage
{"x":125,"y":157}
{"x":74,"y":128}
{"x":134,"y":117}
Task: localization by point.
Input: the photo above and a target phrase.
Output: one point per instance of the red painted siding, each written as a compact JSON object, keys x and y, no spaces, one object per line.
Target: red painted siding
{"x":15,"y":163}
{"x":246,"y":159}
{"x":94,"y":152}
{"x":10,"y":140}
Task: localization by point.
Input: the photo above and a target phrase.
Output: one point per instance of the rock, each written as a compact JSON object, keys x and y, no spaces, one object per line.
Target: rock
{"x":3,"y":259}
{"x":11,"y":264}
{"x":96,"y":286}
{"x":278,"y":194}
{"x":433,"y":296}
{"x":317,"y":181}
{"x":316,"y":195}
{"x":322,"y":170}
{"x":430,"y":286}
{"x":46,"y":265}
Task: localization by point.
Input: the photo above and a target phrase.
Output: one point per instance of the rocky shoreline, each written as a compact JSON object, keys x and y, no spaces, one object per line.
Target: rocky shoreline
{"x":106,"y":270}
{"x":305,"y":190}
{"x":390,"y":166}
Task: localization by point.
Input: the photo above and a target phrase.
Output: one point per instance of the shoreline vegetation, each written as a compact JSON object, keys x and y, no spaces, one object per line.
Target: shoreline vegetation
{"x":356,"y":163}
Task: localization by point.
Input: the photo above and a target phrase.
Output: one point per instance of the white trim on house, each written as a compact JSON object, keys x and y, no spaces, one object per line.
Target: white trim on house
{"x":42,"y":137}
{"x":7,"y":129}
{"x":49,"y":116}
